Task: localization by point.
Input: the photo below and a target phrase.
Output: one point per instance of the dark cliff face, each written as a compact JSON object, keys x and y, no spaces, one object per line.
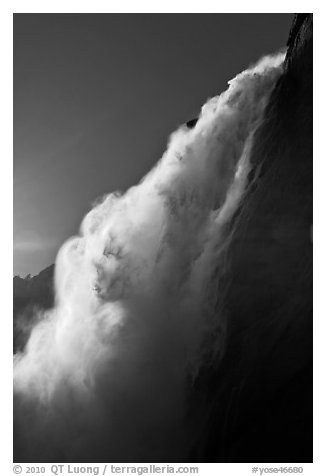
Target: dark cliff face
{"x":261,"y":395}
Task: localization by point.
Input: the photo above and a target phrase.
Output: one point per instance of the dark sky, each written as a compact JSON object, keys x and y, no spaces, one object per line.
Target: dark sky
{"x":97,"y":95}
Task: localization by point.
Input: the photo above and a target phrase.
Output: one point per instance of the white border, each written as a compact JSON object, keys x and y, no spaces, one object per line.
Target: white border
{"x":96,"y":6}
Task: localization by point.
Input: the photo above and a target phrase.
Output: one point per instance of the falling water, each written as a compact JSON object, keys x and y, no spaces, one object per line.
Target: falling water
{"x":105,"y":374}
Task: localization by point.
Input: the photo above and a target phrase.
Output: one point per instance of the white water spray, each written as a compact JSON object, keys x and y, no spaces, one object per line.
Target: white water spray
{"x":105,"y":375}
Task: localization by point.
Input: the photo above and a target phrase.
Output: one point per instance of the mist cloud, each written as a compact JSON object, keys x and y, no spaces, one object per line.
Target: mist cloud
{"x":106,"y":373}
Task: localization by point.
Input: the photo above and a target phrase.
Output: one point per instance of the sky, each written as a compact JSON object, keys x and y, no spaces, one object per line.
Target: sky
{"x":96,"y":97}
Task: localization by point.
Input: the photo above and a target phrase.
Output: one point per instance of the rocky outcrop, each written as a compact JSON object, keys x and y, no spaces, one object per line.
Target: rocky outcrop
{"x":260,"y":398}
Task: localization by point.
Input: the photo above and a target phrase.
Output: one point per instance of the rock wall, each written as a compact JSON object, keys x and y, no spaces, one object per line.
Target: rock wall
{"x":260,"y":398}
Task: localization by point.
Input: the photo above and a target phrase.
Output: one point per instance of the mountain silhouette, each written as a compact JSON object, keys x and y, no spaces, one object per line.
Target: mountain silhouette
{"x":31,"y":295}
